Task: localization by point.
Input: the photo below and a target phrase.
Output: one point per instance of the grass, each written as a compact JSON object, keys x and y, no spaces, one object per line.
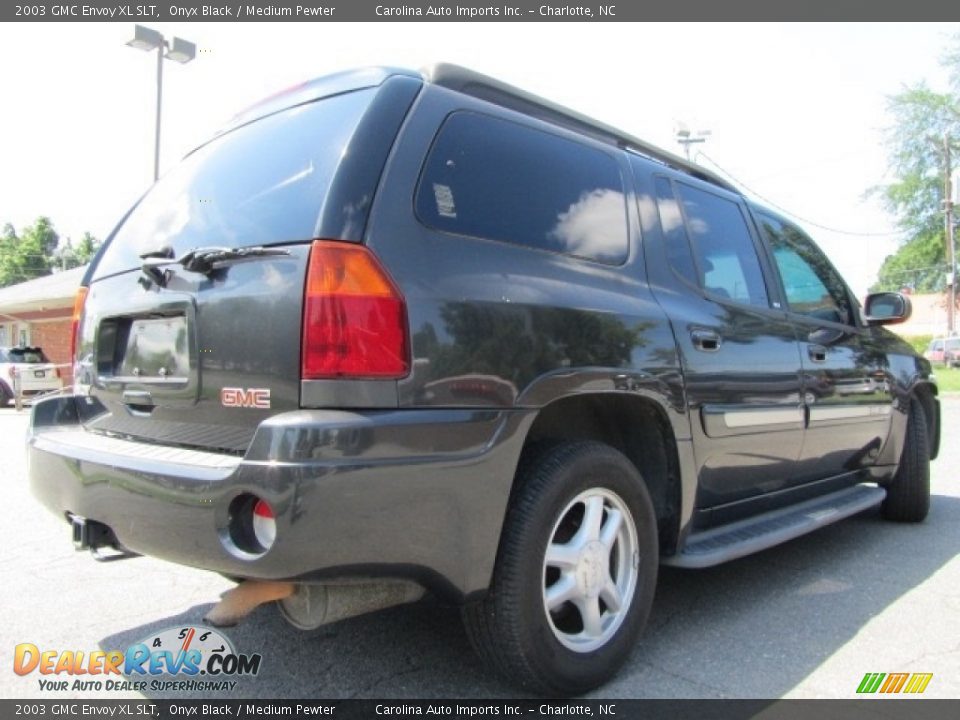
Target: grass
{"x":948,"y":379}
{"x":919,"y":342}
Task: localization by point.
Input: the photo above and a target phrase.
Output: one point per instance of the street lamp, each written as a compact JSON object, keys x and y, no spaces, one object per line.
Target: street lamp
{"x":181,"y":51}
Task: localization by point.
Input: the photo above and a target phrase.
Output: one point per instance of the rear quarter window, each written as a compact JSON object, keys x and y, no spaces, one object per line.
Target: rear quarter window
{"x":497,"y":180}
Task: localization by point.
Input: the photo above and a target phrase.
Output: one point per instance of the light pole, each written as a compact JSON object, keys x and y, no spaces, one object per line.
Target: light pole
{"x":180,"y":51}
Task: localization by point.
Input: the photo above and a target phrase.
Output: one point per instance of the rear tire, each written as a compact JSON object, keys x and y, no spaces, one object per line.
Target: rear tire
{"x":908,"y":494}
{"x":580,"y":538}
{"x":5,"y":396}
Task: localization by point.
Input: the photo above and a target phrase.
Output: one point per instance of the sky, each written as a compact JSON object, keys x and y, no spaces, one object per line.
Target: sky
{"x":796,"y":112}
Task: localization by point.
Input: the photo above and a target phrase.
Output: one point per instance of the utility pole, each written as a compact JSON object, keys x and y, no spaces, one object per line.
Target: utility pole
{"x":686,"y":138}
{"x":948,"y":238}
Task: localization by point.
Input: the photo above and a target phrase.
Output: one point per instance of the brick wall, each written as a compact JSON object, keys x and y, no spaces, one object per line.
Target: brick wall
{"x":54,"y":338}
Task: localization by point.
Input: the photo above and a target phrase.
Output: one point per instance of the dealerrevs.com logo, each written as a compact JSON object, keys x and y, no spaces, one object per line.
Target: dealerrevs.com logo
{"x":182,"y":658}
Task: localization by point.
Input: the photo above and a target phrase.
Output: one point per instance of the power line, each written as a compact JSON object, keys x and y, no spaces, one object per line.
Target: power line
{"x":792,"y":214}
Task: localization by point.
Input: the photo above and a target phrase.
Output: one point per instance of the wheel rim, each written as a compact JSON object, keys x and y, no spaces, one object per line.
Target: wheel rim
{"x":590,"y":570}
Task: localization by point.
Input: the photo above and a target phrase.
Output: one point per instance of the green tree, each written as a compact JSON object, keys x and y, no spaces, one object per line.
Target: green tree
{"x":86,"y":248}
{"x":9,"y":242}
{"x":71,"y":256}
{"x":28,"y":255}
{"x":37,"y":251}
{"x":921,"y":119}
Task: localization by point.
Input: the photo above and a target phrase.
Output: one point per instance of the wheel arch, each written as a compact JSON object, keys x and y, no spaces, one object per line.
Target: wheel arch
{"x":926,"y":393}
{"x":636,"y":426}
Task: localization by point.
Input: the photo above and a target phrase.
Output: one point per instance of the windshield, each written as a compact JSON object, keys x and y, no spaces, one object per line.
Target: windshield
{"x":260,"y":184}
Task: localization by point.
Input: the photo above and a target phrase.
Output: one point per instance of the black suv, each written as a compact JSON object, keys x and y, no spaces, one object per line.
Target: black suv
{"x":392,"y":332}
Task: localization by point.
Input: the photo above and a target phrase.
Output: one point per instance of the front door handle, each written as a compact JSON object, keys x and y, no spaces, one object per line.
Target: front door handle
{"x":817,"y":353}
{"x":705,"y":340}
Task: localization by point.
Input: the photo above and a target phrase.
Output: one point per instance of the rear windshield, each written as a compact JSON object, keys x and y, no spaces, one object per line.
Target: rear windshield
{"x":263,"y":183}
{"x":25,"y":355}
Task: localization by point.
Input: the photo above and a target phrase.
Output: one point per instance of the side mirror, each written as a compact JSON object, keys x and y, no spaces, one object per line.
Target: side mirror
{"x":886,"y":308}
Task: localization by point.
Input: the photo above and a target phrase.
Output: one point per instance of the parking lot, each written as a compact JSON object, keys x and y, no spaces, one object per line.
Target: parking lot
{"x":806,"y":619}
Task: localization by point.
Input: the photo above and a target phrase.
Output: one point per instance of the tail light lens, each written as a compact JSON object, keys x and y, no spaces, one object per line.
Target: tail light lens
{"x":79,"y":300}
{"x":354,"y":317}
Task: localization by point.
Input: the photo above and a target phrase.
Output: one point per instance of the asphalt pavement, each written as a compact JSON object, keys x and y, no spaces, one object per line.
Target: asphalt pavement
{"x":806,"y":619}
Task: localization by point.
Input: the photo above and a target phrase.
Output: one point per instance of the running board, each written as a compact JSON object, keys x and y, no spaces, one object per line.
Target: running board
{"x":728,"y":542}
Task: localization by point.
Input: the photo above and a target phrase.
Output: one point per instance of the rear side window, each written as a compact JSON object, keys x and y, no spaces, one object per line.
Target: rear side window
{"x":262,"y":183}
{"x":725,"y":251}
{"x":497,"y":180}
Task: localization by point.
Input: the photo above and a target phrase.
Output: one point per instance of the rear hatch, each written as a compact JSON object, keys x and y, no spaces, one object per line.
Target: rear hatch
{"x":191,"y":328}
{"x":36,"y":372}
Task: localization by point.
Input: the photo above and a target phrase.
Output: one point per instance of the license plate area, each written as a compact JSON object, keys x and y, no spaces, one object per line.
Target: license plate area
{"x":39,"y":373}
{"x":149,"y":352}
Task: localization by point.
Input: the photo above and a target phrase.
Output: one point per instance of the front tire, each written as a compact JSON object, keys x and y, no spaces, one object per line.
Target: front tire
{"x":575,"y":573}
{"x":908,"y":494}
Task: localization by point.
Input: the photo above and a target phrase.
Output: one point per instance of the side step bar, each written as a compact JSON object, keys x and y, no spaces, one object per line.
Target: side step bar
{"x":728,"y":542}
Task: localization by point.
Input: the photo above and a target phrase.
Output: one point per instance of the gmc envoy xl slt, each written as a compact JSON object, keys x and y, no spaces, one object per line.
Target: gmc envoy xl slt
{"x":391,"y":332}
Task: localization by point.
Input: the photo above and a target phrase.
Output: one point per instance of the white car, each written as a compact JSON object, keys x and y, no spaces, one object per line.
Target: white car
{"x":37,"y":374}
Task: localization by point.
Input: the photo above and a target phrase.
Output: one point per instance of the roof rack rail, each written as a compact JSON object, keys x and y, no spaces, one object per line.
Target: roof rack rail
{"x":483,"y":87}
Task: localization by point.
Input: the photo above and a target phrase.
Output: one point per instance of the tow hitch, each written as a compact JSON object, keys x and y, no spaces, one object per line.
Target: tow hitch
{"x":95,"y":537}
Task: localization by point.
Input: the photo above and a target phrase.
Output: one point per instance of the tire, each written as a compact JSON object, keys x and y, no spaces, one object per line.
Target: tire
{"x":569,"y":650}
{"x":908,"y":494}
{"x":5,"y":396}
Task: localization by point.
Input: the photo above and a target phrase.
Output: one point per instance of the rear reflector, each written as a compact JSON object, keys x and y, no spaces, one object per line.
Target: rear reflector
{"x":354,"y":317}
{"x":264,"y":524}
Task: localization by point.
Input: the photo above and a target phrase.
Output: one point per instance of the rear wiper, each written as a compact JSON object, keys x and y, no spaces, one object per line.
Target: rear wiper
{"x":203,"y":260}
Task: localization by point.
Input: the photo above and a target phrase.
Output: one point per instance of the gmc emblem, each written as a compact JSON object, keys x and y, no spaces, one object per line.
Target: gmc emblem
{"x":243,"y":397}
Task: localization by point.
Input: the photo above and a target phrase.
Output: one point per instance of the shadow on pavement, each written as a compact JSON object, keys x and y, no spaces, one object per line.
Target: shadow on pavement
{"x":752,"y":628}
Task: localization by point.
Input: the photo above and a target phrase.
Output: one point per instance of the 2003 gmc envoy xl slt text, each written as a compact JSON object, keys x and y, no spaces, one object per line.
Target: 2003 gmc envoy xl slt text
{"x":393,"y":332}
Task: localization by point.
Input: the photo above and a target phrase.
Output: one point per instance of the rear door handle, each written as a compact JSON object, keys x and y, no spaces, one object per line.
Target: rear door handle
{"x":705,"y":340}
{"x":817,"y":353}
{"x":138,"y":402}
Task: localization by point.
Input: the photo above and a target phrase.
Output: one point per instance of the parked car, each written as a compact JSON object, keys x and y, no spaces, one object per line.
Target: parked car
{"x":37,"y":374}
{"x":951,"y":355}
{"x":941,"y":349}
{"x":476,"y":344}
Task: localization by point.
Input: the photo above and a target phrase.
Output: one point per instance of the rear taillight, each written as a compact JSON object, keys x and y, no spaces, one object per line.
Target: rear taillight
{"x":78,"y":302}
{"x":354,"y":317}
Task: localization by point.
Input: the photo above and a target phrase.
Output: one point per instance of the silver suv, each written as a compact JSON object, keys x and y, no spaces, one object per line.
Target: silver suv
{"x":37,"y":374}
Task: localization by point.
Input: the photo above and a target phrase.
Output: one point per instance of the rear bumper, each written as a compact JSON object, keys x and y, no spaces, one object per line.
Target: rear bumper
{"x":417,"y":494}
